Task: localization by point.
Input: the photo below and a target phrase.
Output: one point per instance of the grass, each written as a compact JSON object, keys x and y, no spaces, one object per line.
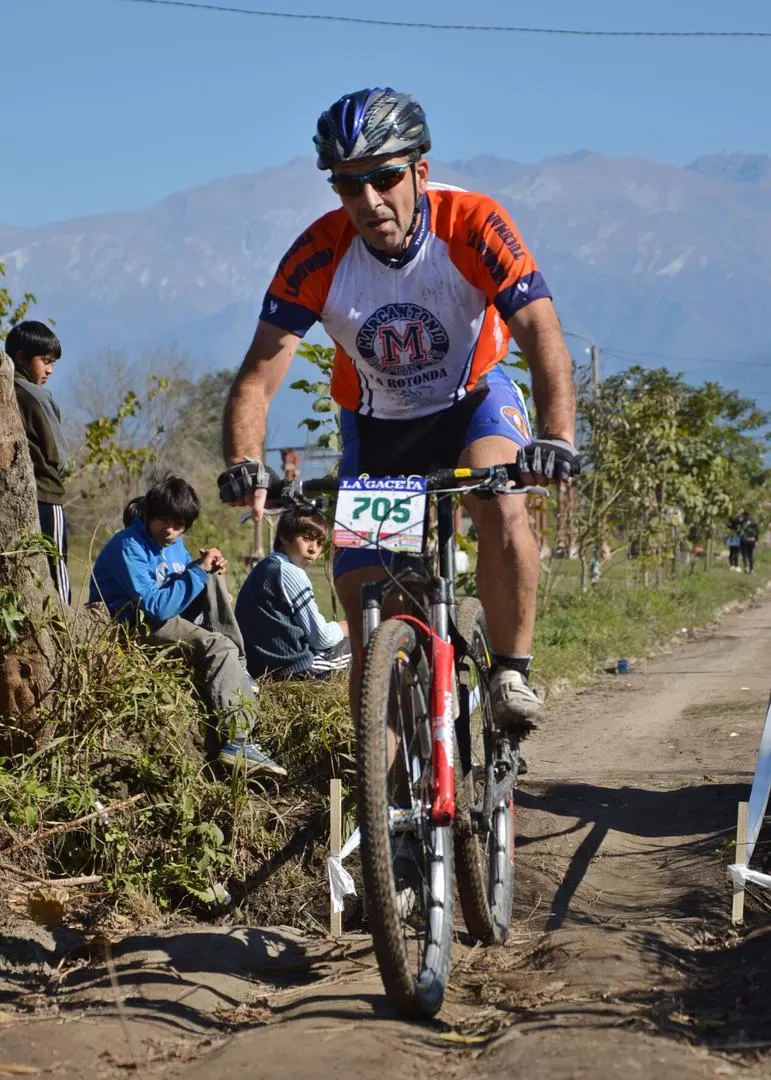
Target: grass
{"x":125,"y":724}
{"x":126,"y":734}
{"x":579,"y":632}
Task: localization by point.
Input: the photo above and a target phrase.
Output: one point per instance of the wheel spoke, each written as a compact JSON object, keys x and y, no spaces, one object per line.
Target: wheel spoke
{"x":484,"y":847}
{"x":407,"y":871}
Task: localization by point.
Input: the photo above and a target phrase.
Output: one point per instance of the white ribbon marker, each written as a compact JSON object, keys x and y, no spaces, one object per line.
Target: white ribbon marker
{"x":341,"y":883}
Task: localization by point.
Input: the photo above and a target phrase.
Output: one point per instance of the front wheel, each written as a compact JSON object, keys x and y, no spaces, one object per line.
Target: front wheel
{"x":485,"y":760}
{"x":407,"y":863}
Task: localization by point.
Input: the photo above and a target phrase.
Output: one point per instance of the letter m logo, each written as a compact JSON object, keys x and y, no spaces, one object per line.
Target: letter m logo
{"x":396,"y":348}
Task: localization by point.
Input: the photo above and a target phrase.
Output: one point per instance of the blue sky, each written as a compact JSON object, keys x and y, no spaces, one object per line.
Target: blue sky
{"x":114,"y":105}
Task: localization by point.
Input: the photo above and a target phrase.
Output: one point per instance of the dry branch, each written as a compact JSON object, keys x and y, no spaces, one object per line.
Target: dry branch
{"x":68,"y":826}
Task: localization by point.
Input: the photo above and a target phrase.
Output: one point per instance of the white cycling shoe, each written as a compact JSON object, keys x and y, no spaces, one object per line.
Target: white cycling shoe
{"x":515,"y":705}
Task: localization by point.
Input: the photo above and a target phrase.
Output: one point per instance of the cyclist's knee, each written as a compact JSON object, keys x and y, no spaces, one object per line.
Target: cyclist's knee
{"x":507,"y":514}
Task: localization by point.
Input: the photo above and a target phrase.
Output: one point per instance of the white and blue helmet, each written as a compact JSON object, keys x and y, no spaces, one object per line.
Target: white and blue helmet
{"x":371,"y":122}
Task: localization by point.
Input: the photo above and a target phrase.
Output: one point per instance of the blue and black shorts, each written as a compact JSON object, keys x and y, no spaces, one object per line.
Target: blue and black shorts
{"x":404,"y":447}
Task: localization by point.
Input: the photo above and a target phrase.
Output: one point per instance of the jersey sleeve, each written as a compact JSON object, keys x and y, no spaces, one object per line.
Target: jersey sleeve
{"x":296,"y":296}
{"x":487,"y":248}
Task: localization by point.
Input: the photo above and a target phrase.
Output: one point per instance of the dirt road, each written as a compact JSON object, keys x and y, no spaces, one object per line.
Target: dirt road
{"x":620,"y":962}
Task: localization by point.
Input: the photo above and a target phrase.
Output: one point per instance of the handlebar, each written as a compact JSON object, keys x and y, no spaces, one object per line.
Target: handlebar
{"x":495,"y":479}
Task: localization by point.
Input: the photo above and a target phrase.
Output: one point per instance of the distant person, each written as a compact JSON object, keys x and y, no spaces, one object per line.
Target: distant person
{"x":34,"y":349}
{"x":733,"y":541}
{"x":748,"y":537}
{"x":146,"y":568}
{"x":285,"y":634}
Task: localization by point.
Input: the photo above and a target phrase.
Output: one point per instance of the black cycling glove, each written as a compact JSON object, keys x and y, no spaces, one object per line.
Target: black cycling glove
{"x":241,"y":479}
{"x":556,"y":459}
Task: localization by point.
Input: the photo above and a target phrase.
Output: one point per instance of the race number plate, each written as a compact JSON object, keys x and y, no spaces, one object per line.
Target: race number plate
{"x":383,"y":512}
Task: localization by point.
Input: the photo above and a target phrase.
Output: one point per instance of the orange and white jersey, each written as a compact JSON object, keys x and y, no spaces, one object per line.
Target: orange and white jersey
{"x":414,"y":335}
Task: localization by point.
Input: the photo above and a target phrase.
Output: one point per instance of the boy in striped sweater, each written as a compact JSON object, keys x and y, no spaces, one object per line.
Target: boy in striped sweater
{"x":285,"y":634}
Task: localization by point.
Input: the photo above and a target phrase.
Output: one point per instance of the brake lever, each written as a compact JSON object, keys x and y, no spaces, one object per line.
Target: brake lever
{"x":531,"y":489}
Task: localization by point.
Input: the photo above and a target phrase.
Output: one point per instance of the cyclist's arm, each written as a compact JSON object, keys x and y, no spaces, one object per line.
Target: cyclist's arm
{"x":246,"y":412}
{"x":259,"y":378}
{"x":536,"y":330}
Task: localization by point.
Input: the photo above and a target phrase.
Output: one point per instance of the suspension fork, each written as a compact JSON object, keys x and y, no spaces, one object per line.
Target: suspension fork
{"x":371,"y":601}
{"x":442,"y":654}
{"x":443,"y":610}
{"x":442,"y":712}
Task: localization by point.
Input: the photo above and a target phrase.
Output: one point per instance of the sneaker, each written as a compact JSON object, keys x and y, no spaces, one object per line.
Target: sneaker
{"x":514,"y":703}
{"x":251,"y":757}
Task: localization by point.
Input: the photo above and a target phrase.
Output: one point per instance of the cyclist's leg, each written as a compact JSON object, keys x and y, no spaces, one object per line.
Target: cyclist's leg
{"x":509,"y":560}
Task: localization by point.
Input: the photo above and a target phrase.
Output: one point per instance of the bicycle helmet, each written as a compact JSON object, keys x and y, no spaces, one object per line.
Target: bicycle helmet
{"x":370,"y":122}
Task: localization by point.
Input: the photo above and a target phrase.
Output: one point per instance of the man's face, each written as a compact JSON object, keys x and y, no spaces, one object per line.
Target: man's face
{"x":38,"y":370}
{"x":383,"y":218}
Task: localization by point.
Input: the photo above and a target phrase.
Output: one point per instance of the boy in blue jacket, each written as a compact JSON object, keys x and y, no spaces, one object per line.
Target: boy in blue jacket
{"x":147,"y":568}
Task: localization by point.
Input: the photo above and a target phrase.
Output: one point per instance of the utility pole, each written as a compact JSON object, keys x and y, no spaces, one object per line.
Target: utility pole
{"x":595,"y":354}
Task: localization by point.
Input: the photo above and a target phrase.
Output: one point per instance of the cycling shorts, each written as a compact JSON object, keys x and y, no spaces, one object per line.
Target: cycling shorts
{"x":404,"y":447}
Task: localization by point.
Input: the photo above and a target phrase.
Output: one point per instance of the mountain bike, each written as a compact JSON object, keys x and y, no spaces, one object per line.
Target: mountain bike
{"x":435,"y":779}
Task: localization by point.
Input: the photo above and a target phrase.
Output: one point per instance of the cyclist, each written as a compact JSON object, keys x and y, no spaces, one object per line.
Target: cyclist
{"x":420,"y":286}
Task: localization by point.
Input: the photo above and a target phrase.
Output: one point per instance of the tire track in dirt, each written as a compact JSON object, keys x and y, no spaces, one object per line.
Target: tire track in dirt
{"x":620,"y":957}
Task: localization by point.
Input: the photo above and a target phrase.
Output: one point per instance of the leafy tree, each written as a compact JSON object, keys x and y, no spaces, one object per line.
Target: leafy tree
{"x":10,"y":312}
{"x":664,"y":459}
{"x":325,"y":421}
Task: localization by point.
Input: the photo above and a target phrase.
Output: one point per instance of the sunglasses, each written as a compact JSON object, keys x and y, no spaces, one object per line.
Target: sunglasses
{"x":382,"y":179}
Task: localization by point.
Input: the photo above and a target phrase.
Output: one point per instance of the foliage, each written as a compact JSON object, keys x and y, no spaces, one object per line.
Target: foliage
{"x":665,"y":461}
{"x":15,"y":622}
{"x":126,"y":721}
{"x":583,"y":630}
{"x":200,"y":406}
{"x":107,"y":454}
{"x":325,"y":422}
{"x":115,"y":459}
{"x":10,"y":312}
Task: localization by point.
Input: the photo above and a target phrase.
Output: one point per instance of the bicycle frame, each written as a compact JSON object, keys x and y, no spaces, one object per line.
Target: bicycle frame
{"x":442,"y":609}
{"x":438,"y":639}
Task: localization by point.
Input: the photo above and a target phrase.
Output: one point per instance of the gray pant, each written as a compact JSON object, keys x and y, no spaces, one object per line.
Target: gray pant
{"x":216,"y":650}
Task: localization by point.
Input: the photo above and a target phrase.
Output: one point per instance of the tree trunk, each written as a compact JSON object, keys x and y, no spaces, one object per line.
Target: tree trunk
{"x":25,"y":582}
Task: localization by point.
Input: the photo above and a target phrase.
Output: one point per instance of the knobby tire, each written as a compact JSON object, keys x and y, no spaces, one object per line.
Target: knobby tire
{"x":484,"y":859}
{"x":412,"y":945}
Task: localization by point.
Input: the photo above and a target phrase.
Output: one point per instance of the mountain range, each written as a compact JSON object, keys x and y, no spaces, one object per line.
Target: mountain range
{"x":655,"y":263}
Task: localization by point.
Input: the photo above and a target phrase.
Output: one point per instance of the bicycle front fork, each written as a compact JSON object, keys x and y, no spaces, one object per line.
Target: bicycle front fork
{"x":441,"y":653}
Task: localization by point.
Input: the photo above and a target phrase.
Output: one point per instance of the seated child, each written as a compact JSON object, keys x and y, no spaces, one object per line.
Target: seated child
{"x":146,"y":568}
{"x":284,"y":632}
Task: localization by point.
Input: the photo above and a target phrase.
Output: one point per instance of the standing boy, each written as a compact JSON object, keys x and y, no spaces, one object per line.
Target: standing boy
{"x":285,"y":634}
{"x":34,"y":349}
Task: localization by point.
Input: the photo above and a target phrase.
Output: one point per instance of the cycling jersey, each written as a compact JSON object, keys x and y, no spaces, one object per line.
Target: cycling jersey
{"x":415,"y":334}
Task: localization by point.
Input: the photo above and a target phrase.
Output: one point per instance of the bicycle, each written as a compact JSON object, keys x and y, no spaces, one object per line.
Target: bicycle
{"x":426,"y":798}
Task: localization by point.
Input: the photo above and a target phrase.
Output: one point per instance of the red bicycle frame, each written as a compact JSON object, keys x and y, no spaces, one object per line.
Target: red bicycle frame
{"x":442,"y":716}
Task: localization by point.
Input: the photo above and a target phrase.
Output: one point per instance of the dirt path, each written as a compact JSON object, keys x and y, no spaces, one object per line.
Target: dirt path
{"x":620,"y":961}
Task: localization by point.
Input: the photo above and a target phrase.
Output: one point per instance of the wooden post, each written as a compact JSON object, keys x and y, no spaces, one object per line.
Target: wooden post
{"x":335,"y":845}
{"x":737,"y":911}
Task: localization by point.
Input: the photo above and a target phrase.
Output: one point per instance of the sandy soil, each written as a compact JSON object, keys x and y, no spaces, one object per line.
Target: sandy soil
{"x":621,"y":959}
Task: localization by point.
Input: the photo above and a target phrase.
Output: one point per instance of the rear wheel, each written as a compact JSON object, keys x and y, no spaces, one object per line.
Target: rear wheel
{"x":484,"y":825}
{"x":407,"y":863}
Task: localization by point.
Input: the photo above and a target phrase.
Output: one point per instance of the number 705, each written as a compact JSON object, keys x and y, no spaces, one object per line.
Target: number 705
{"x":381,"y":508}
